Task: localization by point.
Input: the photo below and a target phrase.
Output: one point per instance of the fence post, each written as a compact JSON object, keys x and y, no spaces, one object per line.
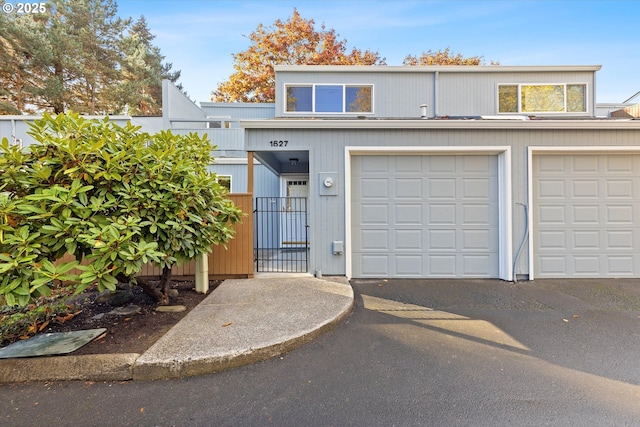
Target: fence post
{"x":202,"y":273}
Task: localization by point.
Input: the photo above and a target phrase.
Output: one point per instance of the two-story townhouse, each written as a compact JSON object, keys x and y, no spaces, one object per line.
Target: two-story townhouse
{"x":475,"y":172}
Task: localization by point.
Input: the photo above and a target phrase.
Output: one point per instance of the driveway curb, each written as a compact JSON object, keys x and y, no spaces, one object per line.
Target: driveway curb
{"x":271,"y":316}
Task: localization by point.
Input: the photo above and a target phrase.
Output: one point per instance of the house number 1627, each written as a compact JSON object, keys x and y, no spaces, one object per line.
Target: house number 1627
{"x":278,"y":143}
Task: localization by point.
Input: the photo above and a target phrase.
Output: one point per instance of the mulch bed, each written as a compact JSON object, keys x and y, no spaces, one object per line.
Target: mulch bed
{"x":133,"y":333}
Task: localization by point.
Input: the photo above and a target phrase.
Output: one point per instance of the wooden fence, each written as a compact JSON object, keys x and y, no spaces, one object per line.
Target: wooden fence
{"x":236,"y":261}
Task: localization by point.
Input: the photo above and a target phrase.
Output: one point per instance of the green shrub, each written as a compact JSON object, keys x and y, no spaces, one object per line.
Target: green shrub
{"x":111,"y":195}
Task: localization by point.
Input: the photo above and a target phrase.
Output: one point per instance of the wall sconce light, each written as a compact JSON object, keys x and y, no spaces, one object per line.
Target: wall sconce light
{"x":293,"y":162}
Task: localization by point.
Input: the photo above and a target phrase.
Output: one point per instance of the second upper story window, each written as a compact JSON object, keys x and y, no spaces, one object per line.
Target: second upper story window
{"x":542,"y":98}
{"x":329,"y":98}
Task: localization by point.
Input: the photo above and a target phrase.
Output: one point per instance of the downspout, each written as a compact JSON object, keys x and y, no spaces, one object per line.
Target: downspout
{"x":13,"y":131}
{"x":524,"y":239}
{"x":435,"y":93}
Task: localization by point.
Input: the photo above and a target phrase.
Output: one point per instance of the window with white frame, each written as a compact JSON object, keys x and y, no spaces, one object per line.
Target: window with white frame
{"x":224,"y":181}
{"x":542,"y":98}
{"x":329,"y":98}
{"x":218,"y":124}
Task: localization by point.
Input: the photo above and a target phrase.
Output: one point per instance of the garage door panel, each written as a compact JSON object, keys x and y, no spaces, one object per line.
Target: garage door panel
{"x":550,"y":240}
{"x":373,"y":265}
{"x":408,"y":214}
{"x":376,"y":188}
{"x":474,"y":240}
{"x":552,"y":265}
{"x":442,"y":240}
{"x":584,"y":164}
{"x":586,"y":265}
{"x":441,"y":216}
{"x":410,"y":188}
{"x":550,"y":214}
{"x":372,"y":214}
{"x":621,"y":240}
{"x":373,"y":164}
{"x":407,"y":164}
{"x":586,"y":240}
{"x":620,"y":189}
{"x":623,"y":165}
{"x":477,"y":265}
{"x":585,"y":214}
{"x":409,"y":266}
{"x":476,"y":164}
{"x":374,"y":240}
{"x":442,"y":188}
{"x":476,"y":188}
{"x":441,"y":265}
{"x":592,"y":231}
{"x":585,"y":189}
{"x":410,"y":239}
{"x":620,"y":214}
{"x":440,"y":164}
{"x":622,"y":265}
{"x":551,"y":189}
{"x":478,"y":214}
{"x":550,"y":164}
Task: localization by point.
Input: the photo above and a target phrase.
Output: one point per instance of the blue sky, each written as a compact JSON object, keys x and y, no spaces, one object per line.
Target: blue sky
{"x":200,"y":36}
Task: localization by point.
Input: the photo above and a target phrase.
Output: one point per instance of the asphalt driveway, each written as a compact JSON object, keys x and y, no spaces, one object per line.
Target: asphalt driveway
{"x":556,"y":352}
{"x":413,"y":353}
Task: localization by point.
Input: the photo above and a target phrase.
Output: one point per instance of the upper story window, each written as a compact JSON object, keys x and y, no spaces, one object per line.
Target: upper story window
{"x":329,"y":98}
{"x":218,"y":124}
{"x":542,"y":98}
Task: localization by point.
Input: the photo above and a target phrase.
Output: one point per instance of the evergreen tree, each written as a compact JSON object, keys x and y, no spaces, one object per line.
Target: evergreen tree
{"x":143,"y":71}
{"x":79,"y":55}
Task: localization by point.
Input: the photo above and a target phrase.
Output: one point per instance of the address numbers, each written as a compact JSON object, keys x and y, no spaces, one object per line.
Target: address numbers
{"x":278,"y":143}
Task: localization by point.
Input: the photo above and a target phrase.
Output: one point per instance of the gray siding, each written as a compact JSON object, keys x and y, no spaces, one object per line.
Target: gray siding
{"x":393,"y":97}
{"x":16,"y":128}
{"x":475,"y":94}
{"x":266,"y":183}
{"x":176,"y":106}
{"x":239,"y":111}
{"x":400,"y":94}
{"x":327,"y":154}
{"x":223,"y":139}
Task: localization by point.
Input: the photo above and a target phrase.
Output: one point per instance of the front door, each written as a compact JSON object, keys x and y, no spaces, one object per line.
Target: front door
{"x":293,"y":219}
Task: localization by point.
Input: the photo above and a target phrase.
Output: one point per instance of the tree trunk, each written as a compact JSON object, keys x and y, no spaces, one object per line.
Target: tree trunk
{"x":150,"y":288}
{"x":165,"y":280}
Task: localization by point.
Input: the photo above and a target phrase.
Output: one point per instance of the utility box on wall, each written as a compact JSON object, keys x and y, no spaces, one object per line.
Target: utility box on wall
{"x":328,"y":183}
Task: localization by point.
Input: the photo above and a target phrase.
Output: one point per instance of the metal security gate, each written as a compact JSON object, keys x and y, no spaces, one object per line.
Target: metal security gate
{"x":281,"y":234}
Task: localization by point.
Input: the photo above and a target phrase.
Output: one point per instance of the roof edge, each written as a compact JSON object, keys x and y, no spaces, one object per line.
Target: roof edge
{"x":438,"y":68}
{"x":630,"y":124}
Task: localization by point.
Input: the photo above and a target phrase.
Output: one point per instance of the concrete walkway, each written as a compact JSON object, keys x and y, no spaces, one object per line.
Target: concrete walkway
{"x":243,"y":321}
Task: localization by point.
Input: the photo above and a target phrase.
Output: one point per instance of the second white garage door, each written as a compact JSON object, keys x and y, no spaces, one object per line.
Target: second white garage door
{"x":586,"y":215}
{"x":424,"y":216}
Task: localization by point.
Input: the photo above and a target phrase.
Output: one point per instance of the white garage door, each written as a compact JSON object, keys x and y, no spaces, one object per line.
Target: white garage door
{"x":586,"y":215}
{"x":425,"y":216}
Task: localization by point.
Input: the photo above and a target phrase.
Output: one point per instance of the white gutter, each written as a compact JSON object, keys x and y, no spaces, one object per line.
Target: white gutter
{"x":579,"y":124}
{"x":435,"y":68}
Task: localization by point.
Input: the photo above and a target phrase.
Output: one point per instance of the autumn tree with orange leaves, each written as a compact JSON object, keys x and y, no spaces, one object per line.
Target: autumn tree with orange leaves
{"x":292,"y":42}
{"x":443,"y":57}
